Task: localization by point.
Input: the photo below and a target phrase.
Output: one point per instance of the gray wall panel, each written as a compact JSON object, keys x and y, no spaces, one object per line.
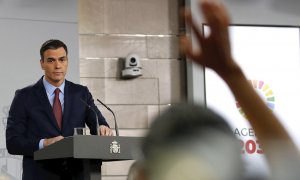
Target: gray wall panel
{"x":47,"y":10}
{"x":24,"y":26}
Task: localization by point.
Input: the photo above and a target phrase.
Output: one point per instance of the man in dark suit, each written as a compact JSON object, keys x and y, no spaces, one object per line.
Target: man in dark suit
{"x":46,"y":112}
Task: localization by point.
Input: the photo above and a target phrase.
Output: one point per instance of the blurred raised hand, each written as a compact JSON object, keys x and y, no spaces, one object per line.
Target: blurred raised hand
{"x":214,"y":52}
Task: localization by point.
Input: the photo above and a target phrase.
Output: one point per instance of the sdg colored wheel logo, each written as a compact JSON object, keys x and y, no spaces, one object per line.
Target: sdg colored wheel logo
{"x":265,"y":92}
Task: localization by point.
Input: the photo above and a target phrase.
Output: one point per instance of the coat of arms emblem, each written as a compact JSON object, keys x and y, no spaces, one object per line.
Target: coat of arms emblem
{"x":115,"y":147}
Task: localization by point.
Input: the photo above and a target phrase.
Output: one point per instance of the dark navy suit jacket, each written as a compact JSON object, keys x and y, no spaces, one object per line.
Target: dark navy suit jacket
{"x":31,"y":119}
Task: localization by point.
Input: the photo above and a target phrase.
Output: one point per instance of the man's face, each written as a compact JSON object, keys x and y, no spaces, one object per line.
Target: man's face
{"x":55,"y":64}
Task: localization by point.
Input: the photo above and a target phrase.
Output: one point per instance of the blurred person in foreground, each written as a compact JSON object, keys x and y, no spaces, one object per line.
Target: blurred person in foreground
{"x":192,"y":142}
{"x":136,"y":170}
{"x":215,"y":53}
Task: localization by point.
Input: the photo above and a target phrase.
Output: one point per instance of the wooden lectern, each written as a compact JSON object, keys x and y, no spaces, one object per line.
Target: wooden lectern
{"x":90,"y":148}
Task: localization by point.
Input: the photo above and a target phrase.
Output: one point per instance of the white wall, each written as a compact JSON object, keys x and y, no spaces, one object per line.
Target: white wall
{"x":25,"y":25}
{"x":111,"y":29}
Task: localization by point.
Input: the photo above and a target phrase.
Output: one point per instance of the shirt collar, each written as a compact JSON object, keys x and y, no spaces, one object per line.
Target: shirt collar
{"x":50,"y":88}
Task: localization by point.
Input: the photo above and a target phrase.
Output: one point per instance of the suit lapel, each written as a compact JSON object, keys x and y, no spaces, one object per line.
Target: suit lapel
{"x":42,"y":96}
{"x":67,"y":104}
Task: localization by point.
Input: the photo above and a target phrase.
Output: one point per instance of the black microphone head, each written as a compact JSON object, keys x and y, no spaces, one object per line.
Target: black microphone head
{"x":85,"y":103}
{"x":104,"y":105}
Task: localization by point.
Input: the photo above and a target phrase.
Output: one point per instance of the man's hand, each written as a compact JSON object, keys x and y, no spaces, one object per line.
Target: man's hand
{"x":50,"y":141}
{"x":105,"y":131}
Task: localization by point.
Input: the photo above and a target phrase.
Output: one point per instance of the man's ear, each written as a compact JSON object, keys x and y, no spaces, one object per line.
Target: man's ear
{"x":42,"y":64}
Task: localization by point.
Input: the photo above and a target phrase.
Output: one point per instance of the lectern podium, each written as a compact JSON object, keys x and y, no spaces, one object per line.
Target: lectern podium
{"x":90,"y":148}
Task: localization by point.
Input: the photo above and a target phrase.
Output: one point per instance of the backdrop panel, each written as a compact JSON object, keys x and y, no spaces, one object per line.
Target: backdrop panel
{"x":269,"y":56}
{"x":25,"y":25}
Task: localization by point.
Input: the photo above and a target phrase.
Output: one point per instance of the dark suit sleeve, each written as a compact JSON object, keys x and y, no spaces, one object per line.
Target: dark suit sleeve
{"x":91,"y":117}
{"x":17,"y":140}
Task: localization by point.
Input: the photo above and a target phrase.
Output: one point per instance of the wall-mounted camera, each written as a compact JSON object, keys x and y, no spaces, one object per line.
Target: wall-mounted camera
{"x":132,"y":66}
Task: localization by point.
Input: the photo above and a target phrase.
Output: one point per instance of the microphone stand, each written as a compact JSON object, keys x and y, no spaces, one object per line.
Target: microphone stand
{"x":97,"y":120}
{"x":116,"y":125}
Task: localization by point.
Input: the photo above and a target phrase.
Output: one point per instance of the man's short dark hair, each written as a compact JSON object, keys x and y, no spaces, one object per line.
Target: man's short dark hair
{"x":181,"y":122}
{"x":52,"y":44}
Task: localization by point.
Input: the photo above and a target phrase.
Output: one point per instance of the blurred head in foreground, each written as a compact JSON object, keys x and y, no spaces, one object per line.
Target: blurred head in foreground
{"x":191,"y":142}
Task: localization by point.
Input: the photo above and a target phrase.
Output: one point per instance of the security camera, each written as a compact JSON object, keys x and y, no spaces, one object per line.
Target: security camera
{"x":132,"y":66}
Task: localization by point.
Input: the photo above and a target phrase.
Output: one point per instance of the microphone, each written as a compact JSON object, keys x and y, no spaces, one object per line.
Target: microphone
{"x":116,"y":125}
{"x":97,"y":121}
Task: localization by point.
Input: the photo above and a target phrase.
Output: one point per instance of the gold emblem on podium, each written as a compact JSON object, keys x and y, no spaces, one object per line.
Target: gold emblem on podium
{"x":115,"y":147}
